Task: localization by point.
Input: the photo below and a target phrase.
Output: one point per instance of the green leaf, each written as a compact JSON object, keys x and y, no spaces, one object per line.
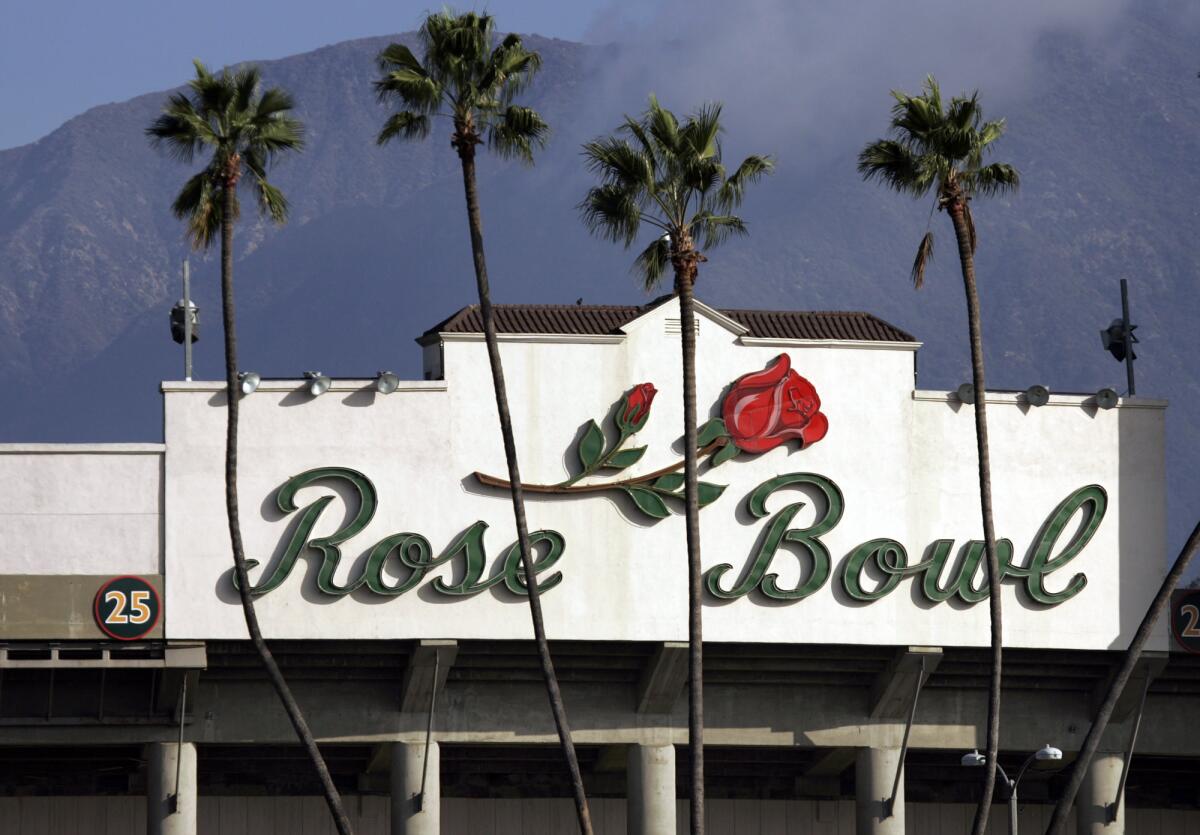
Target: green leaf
{"x":710,"y":431}
{"x":591,"y":445}
{"x":723,"y":454}
{"x":709,"y":493}
{"x":648,"y":502}
{"x":626,"y":458}
{"x":669,"y":482}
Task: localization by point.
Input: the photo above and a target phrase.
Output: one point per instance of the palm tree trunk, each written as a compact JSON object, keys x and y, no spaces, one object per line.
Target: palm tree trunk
{"x":332,"y":798}
{"x":1058,"y":822}
{"x":466,"y":149}
{"x":966,"y":257}
{"x":685,"y":278}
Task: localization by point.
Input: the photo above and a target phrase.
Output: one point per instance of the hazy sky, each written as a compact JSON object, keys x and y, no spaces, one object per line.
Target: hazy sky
{"x":60,"y":57}
{"x":797,"y":66}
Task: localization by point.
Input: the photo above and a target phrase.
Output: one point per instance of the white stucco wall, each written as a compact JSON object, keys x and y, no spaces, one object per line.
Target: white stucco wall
{"x":905,"y":463}
{"x":80,"y":508}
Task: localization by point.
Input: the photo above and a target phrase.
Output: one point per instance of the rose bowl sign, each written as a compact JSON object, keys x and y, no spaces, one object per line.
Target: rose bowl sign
{"x":838,"y":505}
{"x":761,"y":411}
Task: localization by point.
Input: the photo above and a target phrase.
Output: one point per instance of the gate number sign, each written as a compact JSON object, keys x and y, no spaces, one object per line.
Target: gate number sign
{"x":1185,"y":619}
{"x":127,"y":608}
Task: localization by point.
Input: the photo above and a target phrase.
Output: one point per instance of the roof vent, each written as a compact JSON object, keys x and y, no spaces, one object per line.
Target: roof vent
{"x":675,"y":326}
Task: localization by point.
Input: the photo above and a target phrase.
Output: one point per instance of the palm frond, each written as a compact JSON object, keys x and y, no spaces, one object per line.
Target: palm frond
{"x":924,"y":256}
{"x":651,"y":264}
{"x":276,"y":135}
{"x":509,"y":68}
{"x":198,"y":204}
{"x":245,"y":84}
{"x":701,"y":130}
{"x":403,"y":125}
{"x":752,"y":169}
{"x":661,"y":124}
{"x":416,"y":90}
{"x":996,"y":178}
{"x":616,"y":161}
{"x":517,"y":133}
{"x":896,"y":166}
{"x":612,"y":212}
{"x":271,"y":200}
{"x":397,"y":56}
{"x":274,"y":101}
{"x":713,"y":230}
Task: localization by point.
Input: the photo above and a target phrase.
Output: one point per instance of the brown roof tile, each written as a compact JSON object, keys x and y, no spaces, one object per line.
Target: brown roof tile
{"x":608,"y":319}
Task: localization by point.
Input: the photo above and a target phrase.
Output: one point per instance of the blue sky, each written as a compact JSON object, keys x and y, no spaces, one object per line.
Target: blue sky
{"x":60,"y":57}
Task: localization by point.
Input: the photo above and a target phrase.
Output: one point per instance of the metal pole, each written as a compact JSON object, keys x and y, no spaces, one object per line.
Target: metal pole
{"x":1012,"y":809}
{"x":1127,"y":336}
{"x":437,"y":664}
{"x":187,"y":321}
{"x":912,"y":715}
{"x":173,"y":800}
{"x":1114,"y":808}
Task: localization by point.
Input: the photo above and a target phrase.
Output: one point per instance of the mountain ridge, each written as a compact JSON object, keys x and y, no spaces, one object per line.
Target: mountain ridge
{"x":376,"y":249}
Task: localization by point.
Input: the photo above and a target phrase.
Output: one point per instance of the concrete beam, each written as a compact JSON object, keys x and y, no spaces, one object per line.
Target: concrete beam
{"x":612,"y":759}
{"x":832,"y":763}
{"x":427,"y":669}
{"x":891,"y":695}
{"x":663,"y":678}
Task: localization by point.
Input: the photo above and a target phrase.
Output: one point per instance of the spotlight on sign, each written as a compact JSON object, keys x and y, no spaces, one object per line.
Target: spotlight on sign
{"x":966,"y":393}
{"x":1106,"y":398}
{"x":248,"y":382}
{"x":318,"y":383}
{"x":386,"y":382}
{"x":1037,"y":395}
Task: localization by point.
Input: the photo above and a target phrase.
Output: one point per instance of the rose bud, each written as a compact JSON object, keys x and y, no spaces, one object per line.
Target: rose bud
{"x":636,"y":408}
{"x":767,"y":408}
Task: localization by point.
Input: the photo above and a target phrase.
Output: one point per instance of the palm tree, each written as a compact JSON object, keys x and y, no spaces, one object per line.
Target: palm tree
{"x":941,"y":149}
{"x":671,"y":177}
{"x":467,"y":77}
{"x":245,"y":132}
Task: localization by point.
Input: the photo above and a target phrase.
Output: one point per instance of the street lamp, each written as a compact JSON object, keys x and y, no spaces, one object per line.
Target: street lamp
{"x":1047,"y":753}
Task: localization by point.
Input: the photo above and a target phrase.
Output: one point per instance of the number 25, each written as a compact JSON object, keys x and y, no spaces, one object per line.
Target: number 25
{"x":139,"y":611}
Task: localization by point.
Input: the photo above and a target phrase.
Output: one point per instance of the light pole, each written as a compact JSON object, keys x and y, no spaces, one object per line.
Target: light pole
{"x":1047,"y":753}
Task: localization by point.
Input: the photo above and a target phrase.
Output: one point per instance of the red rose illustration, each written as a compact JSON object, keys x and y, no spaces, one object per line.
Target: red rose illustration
{"x":636,"y":408}
{"x":767,"y":408}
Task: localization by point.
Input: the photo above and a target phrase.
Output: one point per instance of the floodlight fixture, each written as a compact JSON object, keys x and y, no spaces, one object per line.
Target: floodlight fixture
{"x":965,"y":393}
{"x":179,"y":316}
{"x":1037,"y":395}
{"x":248,"y":382}
{"x":386,"y":382}
{"x":318,"y":383}
{"x":1106,"y":398}
{"x":1048,"y":753}
{"x":974,"y":759}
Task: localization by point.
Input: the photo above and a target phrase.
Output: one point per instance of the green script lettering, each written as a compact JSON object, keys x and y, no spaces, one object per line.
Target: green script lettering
{"x":412,"y":551}
{"x":806,"y":541}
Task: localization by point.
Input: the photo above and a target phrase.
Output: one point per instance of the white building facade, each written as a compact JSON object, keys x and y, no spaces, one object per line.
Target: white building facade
{"x":846,"y":600}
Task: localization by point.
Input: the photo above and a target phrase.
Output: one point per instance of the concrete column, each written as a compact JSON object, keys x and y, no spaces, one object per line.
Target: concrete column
{"x":651,"y":806}
{"x":875,"y":770}
{"x":163,"y":759}
{"x":408,"y":758}
{"x":1099,"y":789}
